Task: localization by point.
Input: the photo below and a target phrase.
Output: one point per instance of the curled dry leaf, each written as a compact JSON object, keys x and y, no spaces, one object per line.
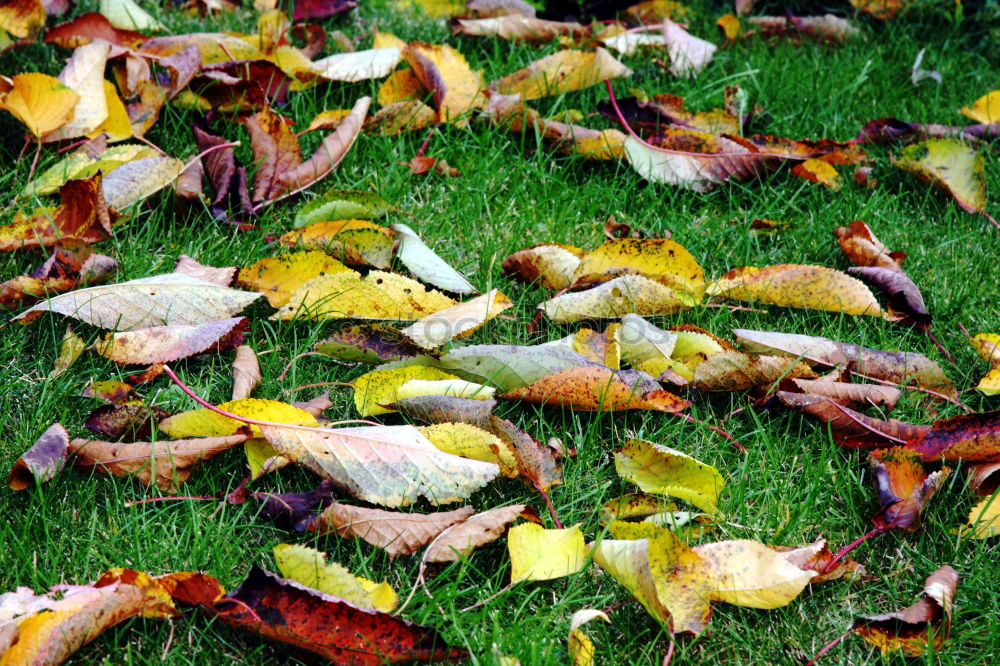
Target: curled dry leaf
{"x":855,"y":396}
{"x":904,"y":487}
{"x":42,"y":461}
{"x":850,"y":428}
{"x":397,"y":532}
{"x":863,"y":249}
{"x":798,"y":286}
{"x":561,"y":72}
{"x":518,"y":27}
{"x":581,"y":648}
{"x":969,"y":437}
{"x":165,"y":464}
{"x":462,"y":538}
{"x":280,"y":277}
{"x":458,"y":321}
{"x":351,"y":241}
{"x":664,"y":471}
{"x":160,"y":300}
{"x":551,"y":265}
{"x":906,"y":303}
{"x":246,"y":372}
{"x":596,"y":389}
{"x":84,"y":73}
{"x":735,"y":371}
{"x":540,"y":554}
{"x":162,"y":344}
{"x":220,"y":276}
{"x":378,"y":295}
{"x":446,"y":73}
{"x":309,"y":567}
{"x":130,"y":420}
{"x":422,"y":262}
{"x":334,"y":629}
{"x":330,"y":153}
{"x":909,"y":630}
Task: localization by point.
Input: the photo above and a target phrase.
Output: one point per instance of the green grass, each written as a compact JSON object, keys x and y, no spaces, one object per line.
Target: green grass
{"x":794,"y":484}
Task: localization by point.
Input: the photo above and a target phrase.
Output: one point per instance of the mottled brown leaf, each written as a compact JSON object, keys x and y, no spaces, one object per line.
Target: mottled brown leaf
{"x":42,"y":461}
{"x":850,"y":428}
{"x":398,"y":532}
{"x":969,"y":437}
{"x":460,"y":540}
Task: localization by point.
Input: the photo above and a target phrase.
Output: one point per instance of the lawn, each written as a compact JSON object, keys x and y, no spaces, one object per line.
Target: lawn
{"x":791,"y":486}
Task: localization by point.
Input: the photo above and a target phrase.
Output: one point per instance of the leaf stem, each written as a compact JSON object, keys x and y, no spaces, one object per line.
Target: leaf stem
{"x":488,"y":599}
{"x":171,"y":498}
{"x":719,"y":431}
{"x":851,"y":546}
{"x":829,"y":646}
{"x":552,"y":509}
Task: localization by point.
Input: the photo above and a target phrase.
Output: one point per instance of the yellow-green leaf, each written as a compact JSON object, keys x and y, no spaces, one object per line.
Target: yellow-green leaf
{"x":662,"y":470}
{"x":798,"y":286}
{"x":457,"y":321}
{"x":988,"y":346}
{"x":374,"y":389}
{"x":563,"y":71}
{"x":206,"y":423}
{"x":309,"y":566}
{"x":984,"y":519}
{"x":378,"y":295}
{"x":540,"y":554}
{"x":279,"y":277}
{"x":626,"y":294}
{"x":951,"y":166}
{"x":747,"y":573}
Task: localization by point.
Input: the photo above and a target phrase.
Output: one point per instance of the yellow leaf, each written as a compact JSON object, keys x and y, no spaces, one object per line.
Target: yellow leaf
{"x":551,"y":265}
{"x":445,"y":71}
{"x":468,"y":441}
{"x":308,"y":566}
{"x":540,"y":554}
{"x":262,"y":458}
{"x":729,"y":25}
{"x":581,"y":648}
{"x":133,"y":181}
{"x":665,"y":471}
{"x":984,"y":519}
{"x":597,"y":389}
{"x":988,"y":346}
{"x":951,"y":166}
{"x":374,"y":389}
{"x":401,"y":86}
{"x":117,"y":125}
{"x":985,"y":110}
{"x":818,"y":171}
{"x":455,"y":388}
{"x":798,"y":286}
{"x":384,"y":40}
{"x":747,"y":573}
{"x":664,"y":261}
{"x":206,"y":423}
{"x":436,"y":9}
{"x":327,"y":120}
{"x":621,"y":296}
{"x":215,"y":47}
{"x":22,"y":18}
{"x":83,"y":164}
{"x":351,"y":241}
{"x":378,"y":295}
{"x":457,"y":321}
{"x":69,"y":351}
{"x":561,"y":72}
{"x":41,"y":102}
{"x":279,"y":277}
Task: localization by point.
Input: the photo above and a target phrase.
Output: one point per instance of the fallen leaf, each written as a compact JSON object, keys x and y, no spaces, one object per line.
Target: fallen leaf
{"x":984,"y":110}
{"x":330,"y":153}
{"x":650,"y":115}
{"x":334,"y":629}
{"x":130,"y":420}
{"x":446,"y":74}
{"x":127,"y":15}
{"x":562,"y":72}
{"x":448,"y":409}
{"x":318,"y":9}
{"x":818,"y":171}
{"x":290,"y":510}
{"x":628,"y":294}
{"x":904,"y":488}
{"x":405,"y":116}
{"x":409,"y":466}
{"x":355,"y":242}
{"x":69,"y":351}
{"x":160,"y":300}
{"x":905,"y":302}
{"x":581,"y":648}
{"x":661,"y":260}
{"x":664,"y":471}
{"x":114,"y":392}
{"x":42,"y":461}
{"x":968,"y":437}
{"x":459,"y":540}
{"x":165,"y":464}
{"x":596,"y":389}
{"x":470,"y":441}
{"x":373,"y":390}
{"x":880,"y":9}
{"x":551,"y":265}
{"x":798,"y":286}
{"x":850,"y":428}
{"x":540,"y":554}
{"x":736,"y":371}
{"x":246,"y":372}
{"x":403,"y":85}
{"x":163,"y":344}
{"x":747,"y":573}
{"x":81,"y":214}
{"x":988,"y":346}
{"x":378,"y":295}
{"x":367,"y":343}
{"x":951,"y":166}
{"x":280,"y":277}
{"x":510,"y":367}
{"x":136,"y":180}
{"x":458,"y":321}
{"x":688,"y":54}
{"x":537,"y":463}
{"x":984,"y":519}
{"x":207,"y":423}
{"x":909,"y":630}
{"x":863,"y":249}
{"x":855,"y":396}
{"x":459,"y":388}
{"x":84,"y":73}
{"x":219,"y":276}
{"x":397,"y":532}
{"x":230,"y":200}
{"x":342,"y":205}
{"x":275,"y":152}
{"x":427,"y":266}
{"x":817,"y":557}
{"x":89,"y":27}
{"x":23,"y":18}
{"x":825,"y":28}
{"x":309,"y":567}
{"x":359,"y":65}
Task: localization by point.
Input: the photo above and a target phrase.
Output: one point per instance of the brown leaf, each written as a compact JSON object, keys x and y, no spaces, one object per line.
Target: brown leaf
{"x":460,"y":540}
{"x":551,"y":265}
{"x":650,"y":116}
{"x":448,"y":409}
{"x":172,"y":462}
{"x":850,"y":428}
{"x":863,"y":249}
{"x":735,"y":371}
{"x":904,"y":487}
{"x":909,"y":630}
{"x":537,"y":463}
{"x":81,"y":214}
{"x":42,"y":461}
{"x":71,"y":265}
{"x":327,"y":626}
{"x":855,"y":396}
{"x":316,"y":406}
{"x":826,"y":28}
{"x":229,"y":181}
{"x":517,"y":27}
{"x":188,"y":186}
{"x":162,"y":344}
{"x":906,"y":303}
{"x":968,"y":437}
{"x":983,"y":478}
{"x":246,"y":372}
{"x":595,"y":389}
{"x":289,"y":510}
{"x":330,"y":153}
{"x":368,"y":343}
{"x":398,"y":532}
{"x":220,"y":276}
{"x":275,"y":151}
{"x":86,"y":28}
{"x":131,"y":420}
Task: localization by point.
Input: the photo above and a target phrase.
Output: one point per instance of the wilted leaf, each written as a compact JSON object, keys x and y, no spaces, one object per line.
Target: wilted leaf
{"x":351,"y":241}
{"x":246,"y":372}
{"x":160,"y":300}
{"x":906,"y":303}
{"x":378,"y":295}
{"x":397,"y":532}
{"x":661,"y":470}
{"x":377,"y":388}
{"x":538,"y":464}
{"x":968,"y":437}
{"x":330,"y":153}
{"x":818,"y":171}
{"x":540,"y":554}
{"x":551,"y":265}
{"x":461,"y":539}
{"x":387,"y":465}
{"x":42,"y":103}
{"x":688,"y":54}
{"x":329,"y":627}
{"x":81,"y":214}
{"x":563,"y":71}
{"x":162,"y":344}
{"x":650,"y":115}
{"x":596,"y":389}
{"x":308,"y":566}
{"x":69,"y":351}
{"x":291,"y":510}
{"x":735,"y":371}
{"x":951,"y":166}
{"x":628,"y":294}
{"x":342,"y":205}
{"x":903,"y":487}
{"x":275,"y":151}
{"x":114,"y":392}
{"x":855,"y":396}
{"x":850,"y":428}
{"x":798,"y":286}
{"x":84,"y":73}
{"x":817,"y":557}
{"x":747,"y":573}
{"x":130,"y":420}
{"x":22,"y":18}
{"x":457,"y":321}
{"x":422,"y":262}
{"x":42,"y":461}
{"x":165,"y":464}
{"x":581,"y":648}
{"x":280,"y":277}
{"x":984,"y":110}
{"x":446,"y":74}
{"x":406,"y":116}
{"x":864,"y":249}
{"x":368,"y":343}
{"x":88,"y":27}
{"x":909,"y":630}
{"x":825,"y":28}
